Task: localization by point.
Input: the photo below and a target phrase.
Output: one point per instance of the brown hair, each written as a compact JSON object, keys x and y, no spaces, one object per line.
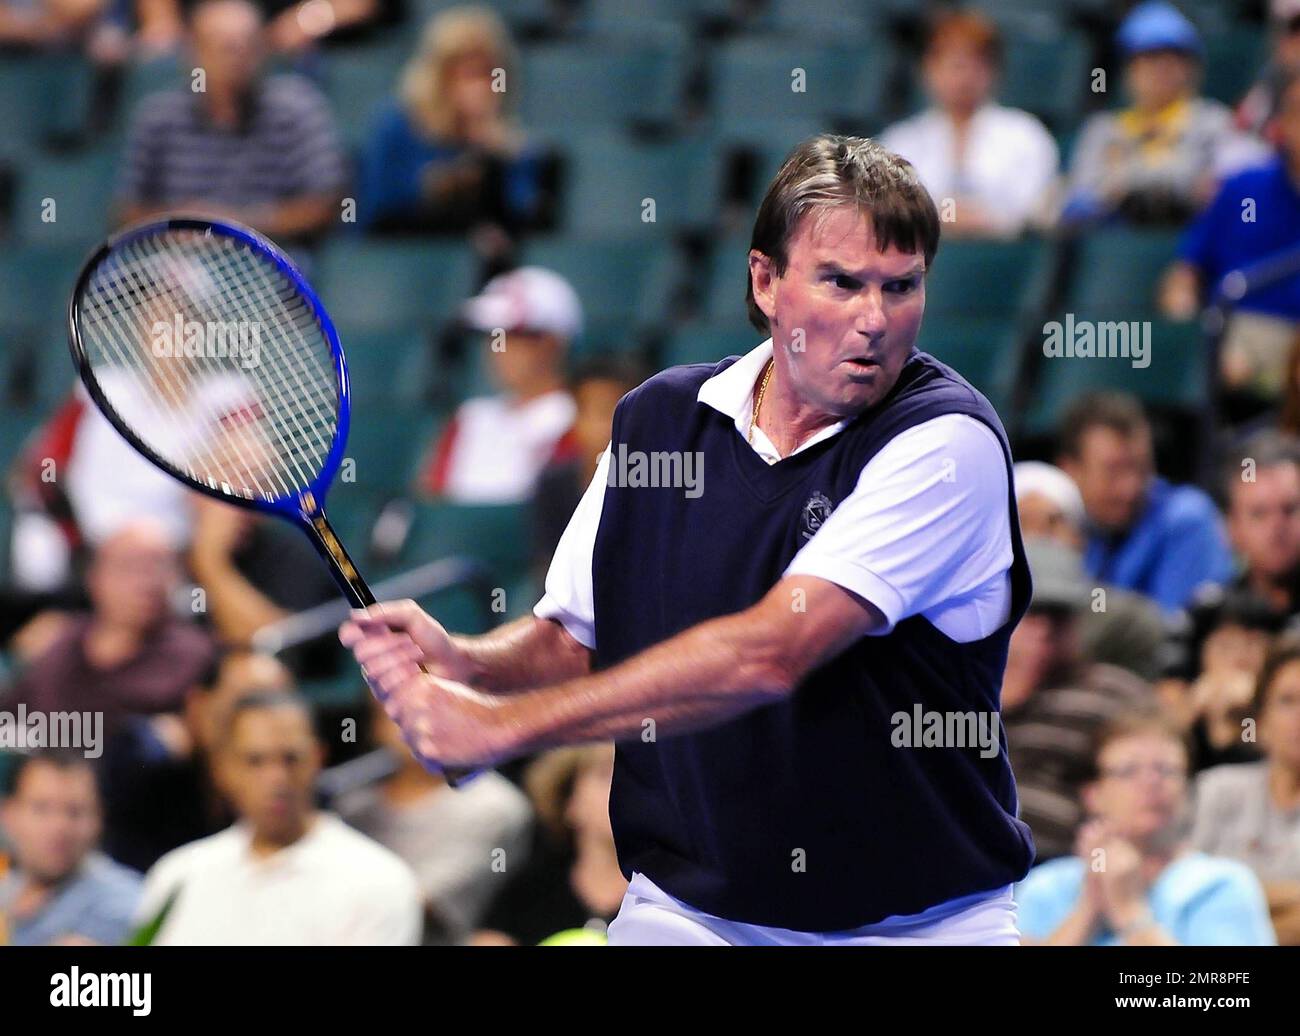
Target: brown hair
{"x":1134,"y":724}
{"x":1281,"y":653}
{"x":1114,"y":410}
{"x":965,"y":29}
{"x":829,"y":170}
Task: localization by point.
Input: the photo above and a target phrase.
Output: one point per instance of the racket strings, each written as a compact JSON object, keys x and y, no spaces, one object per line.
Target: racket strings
{"x":257,"y":422}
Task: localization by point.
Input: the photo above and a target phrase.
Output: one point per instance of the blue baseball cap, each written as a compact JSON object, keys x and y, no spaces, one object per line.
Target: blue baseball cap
{"x":1157,"y":25}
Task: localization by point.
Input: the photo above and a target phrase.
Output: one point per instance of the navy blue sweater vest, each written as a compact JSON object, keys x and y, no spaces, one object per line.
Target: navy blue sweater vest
{"x":801,"y":814}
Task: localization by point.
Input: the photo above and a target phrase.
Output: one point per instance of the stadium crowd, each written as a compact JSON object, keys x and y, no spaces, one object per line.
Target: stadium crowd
{"x":516,"y":213}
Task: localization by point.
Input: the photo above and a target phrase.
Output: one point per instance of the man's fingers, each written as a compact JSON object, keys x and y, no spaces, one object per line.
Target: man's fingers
{"x":374,"y":646}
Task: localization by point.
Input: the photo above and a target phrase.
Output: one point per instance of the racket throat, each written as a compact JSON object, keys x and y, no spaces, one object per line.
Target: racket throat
{"x":330,"y":548}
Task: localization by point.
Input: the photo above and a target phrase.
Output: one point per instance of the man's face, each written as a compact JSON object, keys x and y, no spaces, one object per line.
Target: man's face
{"x":844,"y":315}
{"x":1160,"y":77}
{"x":268,"y":768}
{"x":1279,"y":722}
{"x":53,"y":819}
{"x":1113,"y":471}
{"x":1264,"y":520}
{"x":133,"y":574}
{"x":1043,"y":644}
{"x":1042,"y":517}
{"x":242,"y":673}
{"x":526,"y":361}
{"x":227,"y":43}
{"x":958,"y":78}
{"x":1142,"y":790}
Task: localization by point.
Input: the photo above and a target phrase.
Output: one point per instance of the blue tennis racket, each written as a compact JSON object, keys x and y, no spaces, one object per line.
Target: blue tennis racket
{"x":206,"y":348}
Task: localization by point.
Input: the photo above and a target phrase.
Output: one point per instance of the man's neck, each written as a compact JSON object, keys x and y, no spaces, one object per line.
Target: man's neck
{"x":109,"y":644}
{"x":264,"y":844}
{"x":786,"y":421}
{"x":542,"y":388}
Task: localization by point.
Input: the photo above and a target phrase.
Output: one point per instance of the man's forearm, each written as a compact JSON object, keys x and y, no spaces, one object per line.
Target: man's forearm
{"x":705,"y":675}
{"x":529,"y":652}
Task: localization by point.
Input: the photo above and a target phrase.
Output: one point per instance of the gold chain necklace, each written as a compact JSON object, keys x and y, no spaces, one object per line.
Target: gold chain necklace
{"x":758,"y":399}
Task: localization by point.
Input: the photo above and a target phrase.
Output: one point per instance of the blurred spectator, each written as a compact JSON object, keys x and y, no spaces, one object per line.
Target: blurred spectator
{"x":1119,"y":627}
{"x":1134,"y":880}
{"x":444,"y":156}
{"x":285,"y":873}
{"x":1256,"y":109}
{"x":1144,"y":534}
{"x":462,"y":844}
{"x":494,"y":447}
{"x":159,"y":780}
{"x":574,"y":887}
{"x":995,"y":165}
{"x":60,"y":890}
{"x":49,"y":24}
{"x":596,"y":386}
{"x":1254,"y":217}
{"x":1287,"y":416}
{"x":1210,"y":693}
{"x":130,"y":655}
{"x":292,"y":26}
{"x":1054,"y":701}
{"x":260,"y":150}
{"x":256,"y":571}
{"x":1159,"y":159}
{"x":1251,"y":811}
{"x":1262,"y":488}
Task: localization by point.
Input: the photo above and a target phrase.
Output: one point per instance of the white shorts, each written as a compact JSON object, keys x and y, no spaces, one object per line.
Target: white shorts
{"x":649,"y":916}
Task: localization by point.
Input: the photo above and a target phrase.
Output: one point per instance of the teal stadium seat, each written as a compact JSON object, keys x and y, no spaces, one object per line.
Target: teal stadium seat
{"x":1176,"y":378}
{"x":627,"y":282}
{"x":385,"y":443}
{"x":498,"y":536}
{"x":384,"y":284}
{"x":35,"y":285}
{"x":1234,"y":56}
{"x":73,"y":191}
{"x":361,"y":77}
{"x":987,"y":279}
{"x":43,"y":98}
{"x":388,"y":365}
{"x":1117,"y":272}
{"x":709,"y":343}
{"x":608,"y":180}
{"x":572,"y":88}
{"x":985,"y":351}
{"x":753,"y":95}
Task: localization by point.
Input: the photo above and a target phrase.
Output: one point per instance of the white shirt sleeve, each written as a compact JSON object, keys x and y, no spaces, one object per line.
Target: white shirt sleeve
{"x":927,"y":530}
{"x":570,"y":596}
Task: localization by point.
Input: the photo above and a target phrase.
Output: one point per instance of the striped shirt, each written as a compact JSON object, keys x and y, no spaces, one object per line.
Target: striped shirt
{"x":286,"y":147}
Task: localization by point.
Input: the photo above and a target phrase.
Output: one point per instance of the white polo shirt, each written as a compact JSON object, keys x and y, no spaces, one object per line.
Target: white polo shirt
{"x":1009,"y":164}
{"x":925,"y":532}
{"x":333,"y":887}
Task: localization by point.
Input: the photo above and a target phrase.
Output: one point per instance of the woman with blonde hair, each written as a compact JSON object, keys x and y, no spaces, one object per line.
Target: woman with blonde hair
{"x":445,"y":155}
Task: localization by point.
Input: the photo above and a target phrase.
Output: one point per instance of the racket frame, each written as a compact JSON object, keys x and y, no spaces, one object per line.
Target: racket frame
{"x":306,"y":506}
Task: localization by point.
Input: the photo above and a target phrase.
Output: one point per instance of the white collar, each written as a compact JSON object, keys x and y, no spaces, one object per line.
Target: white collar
{"x":732,"y":393}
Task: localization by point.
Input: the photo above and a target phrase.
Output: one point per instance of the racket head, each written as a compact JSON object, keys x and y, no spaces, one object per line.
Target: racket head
{"x":169,"y":250}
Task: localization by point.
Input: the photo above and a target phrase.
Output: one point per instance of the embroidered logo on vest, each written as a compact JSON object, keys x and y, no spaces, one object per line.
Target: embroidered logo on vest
{"x":815,"y":511}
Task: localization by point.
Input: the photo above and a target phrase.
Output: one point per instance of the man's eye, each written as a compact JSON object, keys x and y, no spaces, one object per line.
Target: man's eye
{"x":844,"y":282}
{"x":901,"y":287}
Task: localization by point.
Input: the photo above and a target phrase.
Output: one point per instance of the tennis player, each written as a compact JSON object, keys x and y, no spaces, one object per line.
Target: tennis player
{"x":794,"y":651}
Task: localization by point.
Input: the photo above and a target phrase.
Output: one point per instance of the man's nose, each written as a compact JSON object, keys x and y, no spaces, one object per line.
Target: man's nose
{"x":870,"y":317}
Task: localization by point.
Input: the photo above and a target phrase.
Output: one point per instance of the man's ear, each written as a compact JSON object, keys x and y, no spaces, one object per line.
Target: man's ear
{"x":762,"y":279}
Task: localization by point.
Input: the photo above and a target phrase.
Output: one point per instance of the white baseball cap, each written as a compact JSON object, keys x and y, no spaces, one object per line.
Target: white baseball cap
{"x":529,"y":298}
